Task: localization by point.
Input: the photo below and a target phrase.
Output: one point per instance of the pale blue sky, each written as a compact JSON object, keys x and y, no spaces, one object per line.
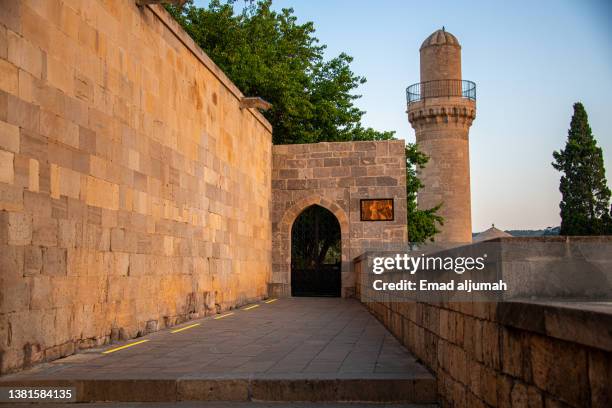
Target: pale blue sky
{"x":531,"y":60}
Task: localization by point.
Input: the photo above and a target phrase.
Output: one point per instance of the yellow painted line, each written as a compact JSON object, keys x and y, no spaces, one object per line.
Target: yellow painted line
{"x":222,"y":316}
{"x":124,"y":347}
{"x":185,"y":328}
{"x":250,"y":307}
{"x":271,"y":300}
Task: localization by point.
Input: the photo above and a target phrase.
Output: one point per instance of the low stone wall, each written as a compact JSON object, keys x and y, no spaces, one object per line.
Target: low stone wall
{"x":509,"y":354}
{"x":134,"y":190}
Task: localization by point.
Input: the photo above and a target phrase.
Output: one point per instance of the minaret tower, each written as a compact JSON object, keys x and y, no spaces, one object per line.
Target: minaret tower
{"x":441,"y":109}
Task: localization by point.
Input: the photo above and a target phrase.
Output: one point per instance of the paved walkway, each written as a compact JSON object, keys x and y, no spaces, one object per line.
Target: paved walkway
{"x":287,"y":339}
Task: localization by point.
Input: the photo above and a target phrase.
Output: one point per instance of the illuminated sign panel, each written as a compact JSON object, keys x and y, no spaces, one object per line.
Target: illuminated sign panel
{"x":376,"y":209}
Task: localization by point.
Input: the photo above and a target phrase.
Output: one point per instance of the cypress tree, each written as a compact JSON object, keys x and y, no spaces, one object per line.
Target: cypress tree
{"x":585,"y":203}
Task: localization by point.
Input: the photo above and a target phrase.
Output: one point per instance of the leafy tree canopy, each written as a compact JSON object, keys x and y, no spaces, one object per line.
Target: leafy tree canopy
{"x":269,"y":54}
{"x":585,"y":203}
{"x":422,"y":224}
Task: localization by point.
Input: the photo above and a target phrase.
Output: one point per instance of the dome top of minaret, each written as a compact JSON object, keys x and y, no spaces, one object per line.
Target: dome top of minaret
{"x":440,"y":37}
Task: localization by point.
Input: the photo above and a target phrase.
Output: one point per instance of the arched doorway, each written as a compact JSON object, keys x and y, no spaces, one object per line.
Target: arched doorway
{"x":316,"y":253}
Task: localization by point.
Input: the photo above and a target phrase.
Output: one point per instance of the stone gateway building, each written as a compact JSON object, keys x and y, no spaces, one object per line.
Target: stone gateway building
{"x":139,"y":190}
{"x":336,"y":176}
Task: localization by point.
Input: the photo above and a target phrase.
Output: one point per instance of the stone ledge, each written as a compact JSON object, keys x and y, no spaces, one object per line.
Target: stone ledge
{"x":313,"y":388}
{"x":581,"y":322}
{"x":555,"y":238}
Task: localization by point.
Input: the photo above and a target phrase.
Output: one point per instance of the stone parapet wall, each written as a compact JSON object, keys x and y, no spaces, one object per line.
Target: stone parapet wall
{"x":551,"y":353}
{"x":337,"y":176}
{"x":134,"y":190}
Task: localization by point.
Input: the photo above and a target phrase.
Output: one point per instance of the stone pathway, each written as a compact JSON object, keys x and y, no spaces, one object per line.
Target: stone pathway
{"x":318,"y":349}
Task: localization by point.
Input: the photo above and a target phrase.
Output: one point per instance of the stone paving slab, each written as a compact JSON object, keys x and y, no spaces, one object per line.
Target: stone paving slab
{"x":294,"y":349}
{"x":217,"y":404}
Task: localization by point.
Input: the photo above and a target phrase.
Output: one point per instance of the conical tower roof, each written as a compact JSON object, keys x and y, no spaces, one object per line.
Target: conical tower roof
{"x":491,"y":233}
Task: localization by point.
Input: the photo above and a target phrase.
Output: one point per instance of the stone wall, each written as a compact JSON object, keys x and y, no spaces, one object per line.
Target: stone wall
{"x":509,"y":354}
{"x":336,"y":176}
{"x":134,"y":191}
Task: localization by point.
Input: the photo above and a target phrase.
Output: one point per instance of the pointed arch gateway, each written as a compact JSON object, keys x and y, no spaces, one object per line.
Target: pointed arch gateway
{"x":284,"y":263}
{"x":316,"y":253}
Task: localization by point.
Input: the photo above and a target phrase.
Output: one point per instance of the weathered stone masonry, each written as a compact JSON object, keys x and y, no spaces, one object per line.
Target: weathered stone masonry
{"x":523,"y":353}
{"x":134,"y":191}
{"x":336,"y":176}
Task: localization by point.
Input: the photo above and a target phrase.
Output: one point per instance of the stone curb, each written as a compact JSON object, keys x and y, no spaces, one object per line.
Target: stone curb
{"x":245,"y":389}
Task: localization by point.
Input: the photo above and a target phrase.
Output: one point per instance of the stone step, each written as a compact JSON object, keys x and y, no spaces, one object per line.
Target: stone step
{"x":377,"y":390}
{"x":238,"y":405}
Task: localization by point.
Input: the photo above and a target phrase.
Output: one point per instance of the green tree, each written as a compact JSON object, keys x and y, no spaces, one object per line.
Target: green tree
{"x":422,"y":224}
{"x":269,"y":54}
{"x":585,"y":203}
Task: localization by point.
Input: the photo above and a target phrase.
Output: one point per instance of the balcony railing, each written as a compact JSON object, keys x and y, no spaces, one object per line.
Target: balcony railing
{"x":441,"y":88}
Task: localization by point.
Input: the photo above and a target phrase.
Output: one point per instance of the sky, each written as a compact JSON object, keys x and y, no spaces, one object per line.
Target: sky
{"x":531,"y":60}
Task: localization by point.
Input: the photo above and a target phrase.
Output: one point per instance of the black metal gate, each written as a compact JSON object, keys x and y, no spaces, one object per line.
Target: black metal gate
{"x":316,"y":253}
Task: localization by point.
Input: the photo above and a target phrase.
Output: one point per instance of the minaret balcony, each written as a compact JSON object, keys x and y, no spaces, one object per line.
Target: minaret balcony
{"x":442,"y":88}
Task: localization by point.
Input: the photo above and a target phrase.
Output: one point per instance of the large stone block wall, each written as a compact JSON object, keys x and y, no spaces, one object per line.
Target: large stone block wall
{"x":134,"y":191}
{"x":336,"y":176}
{"x":509,"y":354}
